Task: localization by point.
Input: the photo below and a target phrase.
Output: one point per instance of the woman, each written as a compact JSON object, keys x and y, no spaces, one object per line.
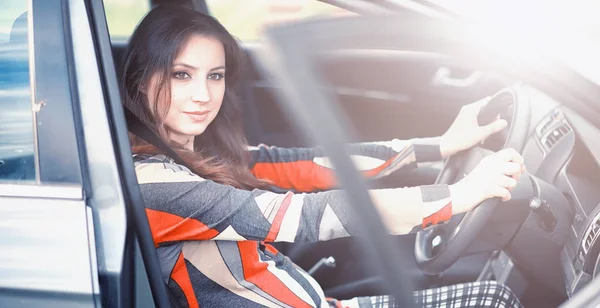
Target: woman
{"x":212,"y":224}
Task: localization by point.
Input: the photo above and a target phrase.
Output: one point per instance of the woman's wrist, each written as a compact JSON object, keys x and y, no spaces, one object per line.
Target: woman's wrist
{"x":462,"y":198}
{"x":426,"y":149}
{"x":466,"y":195}
{"x":446,"y":149}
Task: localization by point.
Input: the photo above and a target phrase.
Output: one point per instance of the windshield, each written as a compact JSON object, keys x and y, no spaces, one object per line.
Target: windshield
{"x":566,"y":30}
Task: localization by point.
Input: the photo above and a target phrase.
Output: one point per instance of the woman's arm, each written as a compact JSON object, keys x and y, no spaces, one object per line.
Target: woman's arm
{"x":307,"y":169}
{"x":182,"y":206}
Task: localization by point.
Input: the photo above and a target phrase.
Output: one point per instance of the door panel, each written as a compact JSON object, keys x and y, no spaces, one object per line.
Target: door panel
{"x":401,"y":94}
{"x":36,"y":233}
{"x":384,"y":94}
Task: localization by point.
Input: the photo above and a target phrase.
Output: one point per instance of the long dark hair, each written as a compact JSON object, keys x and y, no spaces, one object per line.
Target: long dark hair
{"x":220,"y":153}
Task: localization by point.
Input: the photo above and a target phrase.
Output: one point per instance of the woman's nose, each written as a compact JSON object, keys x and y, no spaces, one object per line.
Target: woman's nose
{"x":200,"y":93}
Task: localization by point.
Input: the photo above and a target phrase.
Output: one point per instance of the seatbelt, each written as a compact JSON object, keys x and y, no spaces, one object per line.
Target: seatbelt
{"x":141,"y":130}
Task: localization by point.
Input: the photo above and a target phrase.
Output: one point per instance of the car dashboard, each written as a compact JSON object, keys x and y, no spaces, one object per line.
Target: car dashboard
{"x":564,"y":149}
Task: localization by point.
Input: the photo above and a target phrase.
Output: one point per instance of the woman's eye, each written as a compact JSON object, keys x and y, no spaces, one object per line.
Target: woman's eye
{"x":181,"y":75}
{"x":216,"y":76}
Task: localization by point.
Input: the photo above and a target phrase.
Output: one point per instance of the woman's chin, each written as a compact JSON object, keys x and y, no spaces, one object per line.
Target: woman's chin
{"x":193,"y":131}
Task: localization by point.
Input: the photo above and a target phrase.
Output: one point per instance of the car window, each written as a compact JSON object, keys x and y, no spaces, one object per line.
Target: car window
{"x":17,"y":142}
{"x":123,"y":16}
{"x":247,"y":19}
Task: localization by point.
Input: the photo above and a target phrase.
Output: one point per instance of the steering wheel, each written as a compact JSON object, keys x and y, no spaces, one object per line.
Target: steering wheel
{"x":437,"y":248}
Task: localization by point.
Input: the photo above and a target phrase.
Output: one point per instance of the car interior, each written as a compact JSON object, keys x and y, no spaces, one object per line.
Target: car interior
{"x":382,"y":102}
{"x":363,"y":101}
{"x":545,"y":256}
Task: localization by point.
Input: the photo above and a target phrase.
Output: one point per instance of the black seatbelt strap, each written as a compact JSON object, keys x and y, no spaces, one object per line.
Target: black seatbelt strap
{"x":138,"y":128}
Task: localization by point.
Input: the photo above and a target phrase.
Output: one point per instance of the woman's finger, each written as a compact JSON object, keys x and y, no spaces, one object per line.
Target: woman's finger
{"x":512,"y":168}
{"x":507,"y":182}
{"x":501,"y":192}
{"x":493,"y":128}
{"x":510,"y":155}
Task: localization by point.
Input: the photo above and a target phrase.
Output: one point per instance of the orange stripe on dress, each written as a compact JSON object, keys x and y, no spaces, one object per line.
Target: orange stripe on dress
{"x":305,"y":176}
{"x":167,"y":227}
{"x":256,"y":272}
{"x":270,"y":248}
{"x":182,"y":278}
{"x":276,"y":224}
{"x":302,"y":175}
{"x":439,"y":217}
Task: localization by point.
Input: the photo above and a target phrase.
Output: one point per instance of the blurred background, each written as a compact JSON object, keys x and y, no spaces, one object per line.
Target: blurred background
{"x":244,"y":19}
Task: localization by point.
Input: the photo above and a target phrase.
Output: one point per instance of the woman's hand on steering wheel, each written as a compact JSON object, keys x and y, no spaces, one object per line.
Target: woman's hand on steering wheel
{"x":495,"y":176}
{"x":465,"y":131}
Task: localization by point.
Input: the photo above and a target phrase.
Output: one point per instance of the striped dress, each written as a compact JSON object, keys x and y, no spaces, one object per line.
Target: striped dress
{"x":213,"y":240}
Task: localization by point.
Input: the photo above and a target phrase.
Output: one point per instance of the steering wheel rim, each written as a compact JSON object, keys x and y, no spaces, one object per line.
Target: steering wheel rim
{"x":462,"y":163}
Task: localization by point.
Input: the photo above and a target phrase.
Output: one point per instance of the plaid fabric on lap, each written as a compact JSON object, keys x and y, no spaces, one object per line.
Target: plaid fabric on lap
{"x":483,"y":294}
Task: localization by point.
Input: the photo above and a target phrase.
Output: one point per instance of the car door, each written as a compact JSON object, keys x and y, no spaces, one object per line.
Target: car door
{"x":64,"y":232}
{"x":47,"y":242}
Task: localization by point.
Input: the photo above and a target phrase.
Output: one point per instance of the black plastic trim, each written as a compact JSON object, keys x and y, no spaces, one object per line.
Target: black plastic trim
{"x":187,"y":3}
{"x":55,"y":124}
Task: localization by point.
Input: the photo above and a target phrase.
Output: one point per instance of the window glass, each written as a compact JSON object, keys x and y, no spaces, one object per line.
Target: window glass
{"x":17,"y":148}
{"x":247,"y":19}
{"x":123,"y":16}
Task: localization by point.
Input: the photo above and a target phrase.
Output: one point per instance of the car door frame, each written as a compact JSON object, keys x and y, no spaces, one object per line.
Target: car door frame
{"x":49,"y":243}
{"x":140,"y":272}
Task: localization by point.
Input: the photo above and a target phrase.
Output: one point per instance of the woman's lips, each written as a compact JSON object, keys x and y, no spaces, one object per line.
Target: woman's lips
{"x":197,"y":115}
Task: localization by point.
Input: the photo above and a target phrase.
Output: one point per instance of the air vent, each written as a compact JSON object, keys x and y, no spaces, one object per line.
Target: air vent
{"x":590,"y":236}
{"x":553,"y":136}
{"x":548,"y":121}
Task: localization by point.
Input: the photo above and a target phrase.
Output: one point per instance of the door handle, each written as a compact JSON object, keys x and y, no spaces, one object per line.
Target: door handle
{"x":443,"y":77}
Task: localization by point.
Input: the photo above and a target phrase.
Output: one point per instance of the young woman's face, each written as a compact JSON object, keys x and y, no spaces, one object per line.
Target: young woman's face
{"x":197,"y":88}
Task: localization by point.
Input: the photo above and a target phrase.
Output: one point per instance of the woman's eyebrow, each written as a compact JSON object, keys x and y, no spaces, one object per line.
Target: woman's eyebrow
{"x":218,"y":68}
{"x":185,"y":65}
{"x":195,"y":68}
